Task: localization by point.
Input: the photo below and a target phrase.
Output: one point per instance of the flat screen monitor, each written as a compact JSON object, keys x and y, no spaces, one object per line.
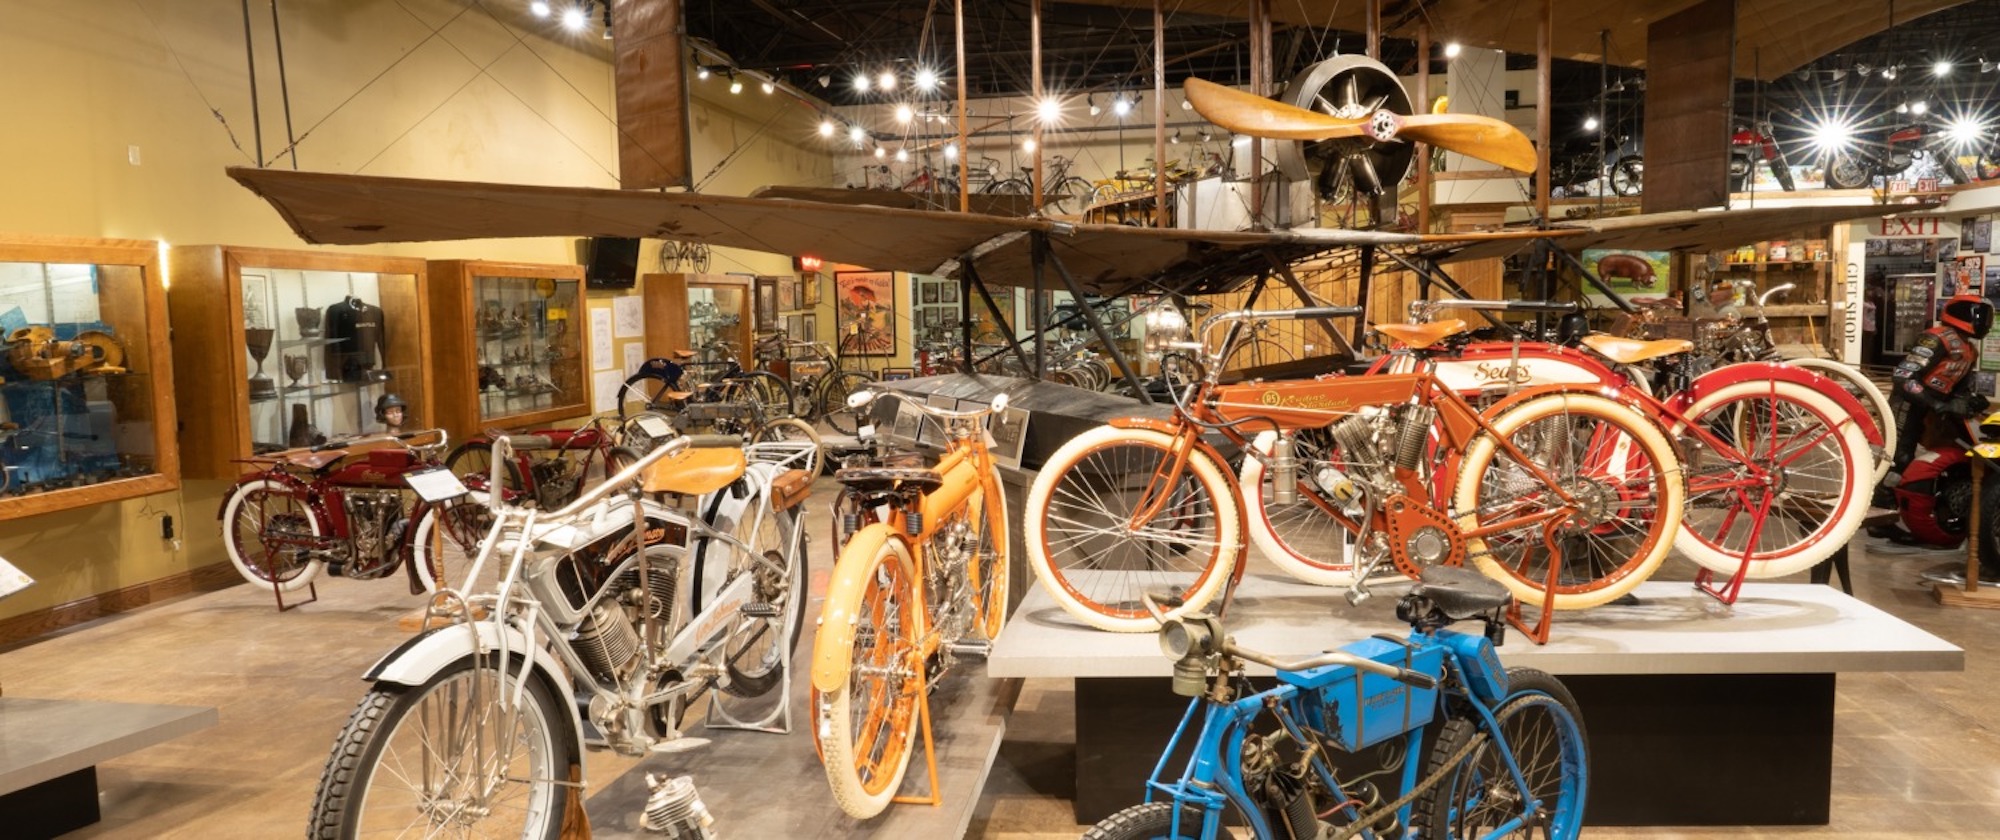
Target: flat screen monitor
{"x":612,"y":263}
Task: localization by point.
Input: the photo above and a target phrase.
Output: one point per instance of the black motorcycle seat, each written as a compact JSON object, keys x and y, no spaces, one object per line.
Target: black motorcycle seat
{"x":1461,"y":593}
{"x":878,"y":479}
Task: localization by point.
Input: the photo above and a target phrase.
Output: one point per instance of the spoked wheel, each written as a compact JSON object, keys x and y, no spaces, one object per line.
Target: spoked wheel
{"x":473,"y":461}
{"x":645,"y":391}
{"x":982,"y":543}
{"x":1871,"y":398}
{"x":1789,"y":489}
{"x":1618,"y":472}
{"x":446,"y":542}
{"x":1846,"y":171}
{"x":1628,"y":175}
{"x":759,"y":648}
{"x":769,"y":391}
{"x":1108,"y":521}
{"x":833,"y":400}
{"x":446,"y":760}
{"x":1350,"y":87}
{"x":1299,"y":538}
{"x":793,"y":430}
{"x":1151,"y":821}
{"x":1069,"y":196}
{"x":268,"y":529}
{"x":1479,"y":797}
{"x":867,"y":724}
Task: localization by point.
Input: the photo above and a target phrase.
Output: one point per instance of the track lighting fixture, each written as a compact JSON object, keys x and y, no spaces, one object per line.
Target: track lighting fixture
{"x":1452,"y":49}
{"x":826,"y":128}
{"x":539,"y":9}
{"x":1091,"y":100}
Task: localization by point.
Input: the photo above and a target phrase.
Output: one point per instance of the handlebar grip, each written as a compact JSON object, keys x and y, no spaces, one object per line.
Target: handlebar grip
{"x":1417,"y":678}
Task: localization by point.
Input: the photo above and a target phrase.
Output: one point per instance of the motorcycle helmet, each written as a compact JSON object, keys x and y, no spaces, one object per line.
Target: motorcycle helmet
{"x":1969,"y":314}
{"x":386,"y":402}
{"x":1572,"y":327}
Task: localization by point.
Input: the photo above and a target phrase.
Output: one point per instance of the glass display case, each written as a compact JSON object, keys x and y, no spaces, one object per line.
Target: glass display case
{"x":310,"y":343}
{"x":86,"y":413}
{"x":510,"y":340}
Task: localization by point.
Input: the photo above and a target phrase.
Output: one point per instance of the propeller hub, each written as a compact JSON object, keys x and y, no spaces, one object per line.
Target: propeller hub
{"x":1382,"y":126}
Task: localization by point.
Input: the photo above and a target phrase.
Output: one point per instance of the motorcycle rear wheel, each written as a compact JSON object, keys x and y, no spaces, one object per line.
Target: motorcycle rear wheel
{"x":1846,"y":172}
{"x":254,"y":509}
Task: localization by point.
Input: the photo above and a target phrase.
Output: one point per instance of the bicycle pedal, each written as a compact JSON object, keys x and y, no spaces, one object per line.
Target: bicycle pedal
{"x":981,"y":649}
{"x":761,"y":610}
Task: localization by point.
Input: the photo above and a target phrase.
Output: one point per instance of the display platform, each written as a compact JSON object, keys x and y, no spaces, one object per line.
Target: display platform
{"x":759,"y":784}
{"x":50,"y":749}
{"x":1698,"y":713}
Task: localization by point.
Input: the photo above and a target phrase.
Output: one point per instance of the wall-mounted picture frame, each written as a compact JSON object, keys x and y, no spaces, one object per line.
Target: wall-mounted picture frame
{"x":927,"y":293}
{"x":767,"y":303}
{"x":809,"y":331}
{"x":897,"y":374}
{"x":1010,"y":434}
{"x":865,"y":312}
{"x":788,"y":293}
{"x":948,"y":293}
{"x":809,"y":289}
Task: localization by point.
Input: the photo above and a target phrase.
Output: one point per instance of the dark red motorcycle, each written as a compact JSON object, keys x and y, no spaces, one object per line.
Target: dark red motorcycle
{"x":1750,"y":145}
{"x":1856,"y":167}
{"x":345,"y":506}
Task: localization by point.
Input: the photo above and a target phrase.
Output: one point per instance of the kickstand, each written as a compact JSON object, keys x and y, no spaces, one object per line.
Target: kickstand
{"x":930,"y":750}
{"x":1704,"y":581}
{"x":1538,"y":632}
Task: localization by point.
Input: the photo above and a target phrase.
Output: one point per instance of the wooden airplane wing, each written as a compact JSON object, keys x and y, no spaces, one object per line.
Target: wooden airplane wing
{"x":1688,"y":230}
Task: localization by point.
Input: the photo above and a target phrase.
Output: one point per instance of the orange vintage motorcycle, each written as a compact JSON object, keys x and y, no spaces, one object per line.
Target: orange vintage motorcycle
{"x":1569,"y":498}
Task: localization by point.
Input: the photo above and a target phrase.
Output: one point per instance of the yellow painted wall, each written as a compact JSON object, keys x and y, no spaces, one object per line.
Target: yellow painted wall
{"x":417,"y":88}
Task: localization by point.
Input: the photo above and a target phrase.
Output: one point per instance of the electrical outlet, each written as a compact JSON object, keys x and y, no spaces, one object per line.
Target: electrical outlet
{"x":167,"y":529}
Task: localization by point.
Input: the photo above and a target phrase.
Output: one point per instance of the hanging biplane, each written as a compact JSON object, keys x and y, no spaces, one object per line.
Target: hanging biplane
{"x":1098,"y":261}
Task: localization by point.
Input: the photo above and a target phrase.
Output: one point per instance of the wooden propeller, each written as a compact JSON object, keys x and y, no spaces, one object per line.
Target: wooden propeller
{"x":1485,"y":138}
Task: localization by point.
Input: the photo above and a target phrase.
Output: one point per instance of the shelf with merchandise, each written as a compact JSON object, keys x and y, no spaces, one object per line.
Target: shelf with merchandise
{"x":309,"y":342}
{"x":510,"y":343}
{"x":86,"y":377}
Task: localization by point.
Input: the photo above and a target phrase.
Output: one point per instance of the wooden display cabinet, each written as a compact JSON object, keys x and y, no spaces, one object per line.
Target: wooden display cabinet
{"x":689,"y":311}
{"x":1803,"y":317}
{"x":86,"y":392}
{"x":510,"y":340}
{"x":223,"y":297}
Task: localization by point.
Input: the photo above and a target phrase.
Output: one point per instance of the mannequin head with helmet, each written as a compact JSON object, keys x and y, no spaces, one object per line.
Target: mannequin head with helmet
{"x":389,"y":409}
{"x":1971,"y":315}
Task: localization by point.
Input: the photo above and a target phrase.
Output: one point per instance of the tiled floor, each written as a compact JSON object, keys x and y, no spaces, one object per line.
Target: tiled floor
{"x":1915,"y":754}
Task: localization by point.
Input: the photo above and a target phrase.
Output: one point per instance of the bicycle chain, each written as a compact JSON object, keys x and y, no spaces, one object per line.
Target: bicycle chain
{"x":1373,"y":817}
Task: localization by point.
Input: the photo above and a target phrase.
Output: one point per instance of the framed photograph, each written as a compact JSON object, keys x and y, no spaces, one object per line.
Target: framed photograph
{"x":809,"y":289}
{"x":948,"y":293}
{"x":788,"y":293}
{"x":942,"y":402}
{"x":809,"y":329}
{"x":909,"y":424}
{"x":767,"y":303}
{"x":897,"y":374}
{"x":927,"y":292}
{"x":1629,"y":273}
{"x":865,"y":312}
{"x":795,"y":326}
{"x":1010,"y":433}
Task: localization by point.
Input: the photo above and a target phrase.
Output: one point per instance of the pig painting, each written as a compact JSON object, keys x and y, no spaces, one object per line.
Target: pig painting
{"x":1634,"y":269}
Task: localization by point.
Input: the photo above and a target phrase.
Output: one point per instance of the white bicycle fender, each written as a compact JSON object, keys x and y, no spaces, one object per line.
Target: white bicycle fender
{"x":417,"y":660}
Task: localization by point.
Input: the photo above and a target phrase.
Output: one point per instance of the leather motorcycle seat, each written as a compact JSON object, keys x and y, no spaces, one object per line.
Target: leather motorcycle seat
{"x":1462,"y":593}
{"x":306,"y":460}
{"x":683,"y":354}
{"x":1421,"y":336}
{"x":696,"y":471}
{"x":1627,"y":351}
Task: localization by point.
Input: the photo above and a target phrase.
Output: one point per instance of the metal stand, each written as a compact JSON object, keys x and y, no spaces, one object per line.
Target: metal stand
{"x":759,"y":714}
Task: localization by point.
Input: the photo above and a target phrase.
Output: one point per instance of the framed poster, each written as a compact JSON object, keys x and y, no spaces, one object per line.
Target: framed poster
{"x":865,"y":312}
{"x":927,"y":293}
{"x":809,"y":289}
{"x":767,"y":303}
{"x":948,"y":293}
{"x":788,"y":293}
{"x":1970,"y":273}
{"x":1628,"y":273}
{"x":1010,"y":434}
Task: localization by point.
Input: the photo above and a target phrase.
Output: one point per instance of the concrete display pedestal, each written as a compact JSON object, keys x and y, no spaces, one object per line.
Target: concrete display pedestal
{"x":50,"y":749}
{"x":1697,"y":713}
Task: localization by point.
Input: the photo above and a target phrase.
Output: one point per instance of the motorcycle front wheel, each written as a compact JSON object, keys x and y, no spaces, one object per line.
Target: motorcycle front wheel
{"x":1846,"y":172}
{"x":444,"y":759}
{"x":1628,"y":175}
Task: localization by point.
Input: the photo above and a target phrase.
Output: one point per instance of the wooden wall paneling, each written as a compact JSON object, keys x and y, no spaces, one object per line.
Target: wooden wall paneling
{"x":651,"y":88}
{"x":1688,"y":94}
{"x":666,"y":302}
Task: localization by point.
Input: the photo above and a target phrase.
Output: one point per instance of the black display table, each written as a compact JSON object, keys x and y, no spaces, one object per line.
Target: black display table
{"x":50,"y":749}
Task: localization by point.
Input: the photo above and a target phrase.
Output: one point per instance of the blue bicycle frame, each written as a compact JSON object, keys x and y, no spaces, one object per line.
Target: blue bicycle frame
{"x":1388,"y":701}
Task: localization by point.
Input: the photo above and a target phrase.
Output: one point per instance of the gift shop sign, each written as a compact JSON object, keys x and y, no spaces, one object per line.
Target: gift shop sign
{"x":1913,"y":227}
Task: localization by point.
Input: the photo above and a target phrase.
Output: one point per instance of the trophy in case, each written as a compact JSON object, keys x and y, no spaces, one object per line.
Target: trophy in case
{"x":295,"y":367}
{"x":258,"y":339}
{"x":308,"y":318}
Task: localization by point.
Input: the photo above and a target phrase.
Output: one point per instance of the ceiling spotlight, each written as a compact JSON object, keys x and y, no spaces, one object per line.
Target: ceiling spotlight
{"x":1176,"y":139}
{"x":1902,"y":107}
{"x":887,"y":81}
{"x":860,"y":82}
{"x":1049,"y":109}
{"x":902,"y":155}
{"x":1091,"y":100}
{"x":1862,"y":69}
{"x":1889,"y":72}
{"x":1186,"y":105}
{"x":701,"y":73}
{"x":1452,"y":49}
{"x":1616,"y":87}
{"x":951,"y":151}
{"x":769,"y":87}
{"x":1942,"y":68}
{"x":881,"y":153}
{"x":573,"y":19}
{"x":1028,"y":145}
{"x":1121,"y":106}
{"x":904,"y":114}
{"x":1964,"y":131}
{"x":539,"y":8}
{"x":827,"y":81}
{"x":1832,"y":135}
{"x":1985,"y":66}
{"x":1205,"y":135}
{"x":826,"y":128}
{"x":1919,"y":107}
{"x":1589,"y":123}
{"x":735,"y":84}
{"x":855,"y":134}
{"x":926,"y":79}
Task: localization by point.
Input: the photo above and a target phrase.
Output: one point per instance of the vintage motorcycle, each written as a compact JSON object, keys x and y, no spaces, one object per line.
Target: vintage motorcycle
{"x":343,"y":507}
{"x":1935,"y":497}
{"x":1856,"y":167}
{"x":1750,"y":145}
{"x":614,"y":609}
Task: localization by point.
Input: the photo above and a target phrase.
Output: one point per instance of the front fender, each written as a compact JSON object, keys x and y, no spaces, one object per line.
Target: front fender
{"x":1728,"y":375}
{"x":290,"y":481}
{"x":417,"y":660}
{"x":833,"y":641}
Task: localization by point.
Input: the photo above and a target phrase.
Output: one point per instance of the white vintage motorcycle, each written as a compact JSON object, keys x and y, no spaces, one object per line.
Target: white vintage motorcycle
{"x":630,"y":607}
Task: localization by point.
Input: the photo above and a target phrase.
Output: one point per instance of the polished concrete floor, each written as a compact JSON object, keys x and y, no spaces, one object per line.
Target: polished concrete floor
{"x":1915,"y":753}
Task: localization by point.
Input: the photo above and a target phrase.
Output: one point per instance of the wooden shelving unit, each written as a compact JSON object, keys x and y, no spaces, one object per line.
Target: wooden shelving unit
{"x":127,"y":296}
{"x":219,"y":292}
{"x":509,"y":340}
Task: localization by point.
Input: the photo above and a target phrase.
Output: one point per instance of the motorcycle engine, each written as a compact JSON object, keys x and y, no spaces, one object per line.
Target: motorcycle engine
{"x":608,"y":637}
{"x":1364,"y":449}
{"x":375,"y":523}
{"x":555,"y":481}
{"x":950,"y":555}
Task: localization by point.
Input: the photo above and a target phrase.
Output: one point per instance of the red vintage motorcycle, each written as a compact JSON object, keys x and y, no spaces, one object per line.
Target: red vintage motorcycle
{"x":1751,"y":144}
{"x":344,"y":506}
{"x":1856,"y":167}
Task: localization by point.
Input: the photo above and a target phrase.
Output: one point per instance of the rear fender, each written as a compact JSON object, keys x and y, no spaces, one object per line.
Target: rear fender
{"x":291,"y":482}
{"x":1723,"y":377}
{"x":834,"y":639}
